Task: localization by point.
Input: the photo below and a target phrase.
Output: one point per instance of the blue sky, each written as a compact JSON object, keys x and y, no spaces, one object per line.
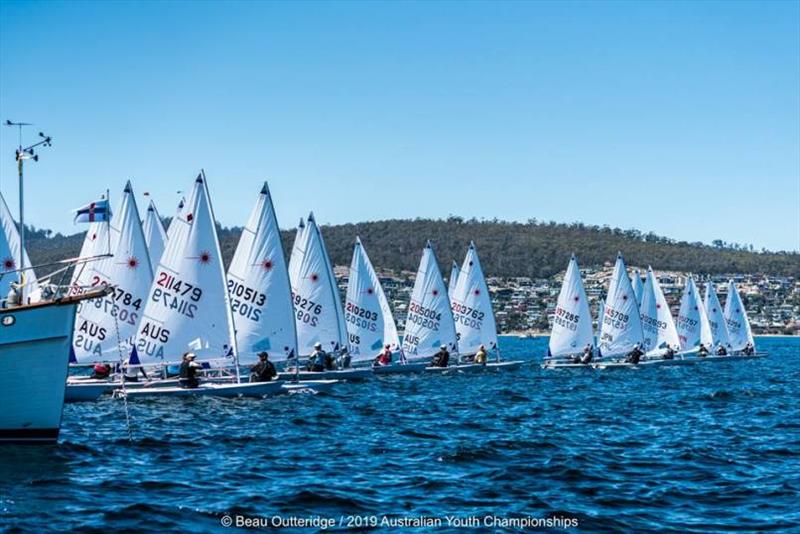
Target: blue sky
{"x":678,"y":118}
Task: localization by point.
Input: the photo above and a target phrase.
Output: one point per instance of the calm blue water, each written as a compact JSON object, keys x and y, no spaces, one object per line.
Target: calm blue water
{"x":694,"y":448}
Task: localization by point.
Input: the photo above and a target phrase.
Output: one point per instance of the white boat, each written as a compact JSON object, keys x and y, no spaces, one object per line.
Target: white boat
{"x":254,"y":389}
{"x":739,"y":332}
{"x":716,"y":319}
{"x":155,"y":235}
{"x":354,"y":373}
{"x":369,"y":319}
{"x":429,"y":323}
{"x":476,"y":367}
{"x":622,"y":324}
{"x":189,"y":308}
{"x":317,"y":304}
{"x":472,"y":308}
{"x":658,"y":326}
{"x":692,"y":323}
{"x":105,"y":328}
{"x":88,"y":391}
{"x":259,"y":288}
{"x":572,"y":322}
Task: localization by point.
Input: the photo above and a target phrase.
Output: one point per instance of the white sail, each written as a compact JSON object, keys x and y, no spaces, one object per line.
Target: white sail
{"x":314,"y":290}
{"x":429,"y":323}
{"x":622,"y":325}
{"x":96,"y":243}
{"x":692,"y":324}
{"x":451,"y":283}
{"x":572,"y":321}
{"x":736,"y":320}
{"x":9,"y":256}
{"x":154,"y":234}
{"x":188,"y":307}
{"x":337,"y":294}
{"x":658,"y":326}
{"x":258,"y":283}
{"x":601,"y":307}
{"x":296,"y":257}
{"x":638,"y":288}
{"x":106,"y":326}
{"x":716,"y":317}
{"x":472,"y":307}
{"x":370,"y":323}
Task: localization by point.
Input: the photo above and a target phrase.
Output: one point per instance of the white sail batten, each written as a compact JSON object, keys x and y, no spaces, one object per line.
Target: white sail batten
{"x":314,"y":290}
{"x":692,"y":324}
{"x":736,"y":320}
{"x":716,"y":317}
{"x":451,"y":283}
{"x":9,"y":256}
{"x":129,"y":273}
{"x":658,"y":326}
{"x":188,"y":307}
{"x":472,"y":307}
{"x":259,"y":288}
{"x":154,"y":234}
{"x":370,"y":323}
{"x":572,"y":320}
{"x":622,"y":325}
{"x":429,"y":323}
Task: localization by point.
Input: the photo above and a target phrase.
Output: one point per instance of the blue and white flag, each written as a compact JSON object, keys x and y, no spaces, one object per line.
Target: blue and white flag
{"x":95,"y":212}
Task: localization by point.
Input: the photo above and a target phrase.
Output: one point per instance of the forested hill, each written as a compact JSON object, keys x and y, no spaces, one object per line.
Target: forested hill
{"x":532,"y":249}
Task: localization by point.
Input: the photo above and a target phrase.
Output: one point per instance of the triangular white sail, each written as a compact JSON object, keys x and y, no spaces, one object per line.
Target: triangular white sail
{"x":370,"y":324}
{"x":622,"y":326}
{"x":337,"y":294}
{"x":106,"y":326}
{"x":295,"y":256}
{"x":601,"y":307}
{"x":716,"y":317}
{"x":9,"y":256}
{"x":657,"y":323}
{"x":188,"y":307}
{"x":638,"y":288}
{"x":451,"y":283}
{"x":472,"y":307}
{"x":154,"y":234}
{"x":260,"y":293}
{"x":692,"y":324}
{"x":314,"y":292}
{"x":572,"y":321}
{"x":96,"y":243}
{"x":736,"y":320}
{"x":429,"y":323}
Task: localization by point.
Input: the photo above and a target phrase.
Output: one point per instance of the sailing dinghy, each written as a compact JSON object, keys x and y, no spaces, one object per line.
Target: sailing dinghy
{"x":370,"y":322}
{"x":622,"y":325}
{"x":572,"y":322}
{"x":473,"y":314}
{"x":658,"y":326}
{"x":189,"y":308}
{"x":317,"y":305}
{"x":692,"y":324}
{"x":740,"y":334}
{"x":716,"y":319}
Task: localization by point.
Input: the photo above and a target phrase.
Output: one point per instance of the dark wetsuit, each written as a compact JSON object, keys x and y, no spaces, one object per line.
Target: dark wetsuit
{"x":634,"y":356}
{"x":263,"y":372}
{"x":189,"y":375}
{"x":441,"y":358}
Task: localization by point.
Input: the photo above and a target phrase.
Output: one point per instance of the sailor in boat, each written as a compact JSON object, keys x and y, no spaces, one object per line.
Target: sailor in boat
{"x":441,"y":358}
{"x":480,"y":356}
{"x":721,"y":350}
{"x":588,"y":354}
{"x":264,"y":370}
{"x":384,"y":357}
{"x":748,"y":349}
{"x":189,"y":369}
{"x":634,"y":355}
{"x":318,"y":359}
{"x":101,"y":371}
{"x":669,"y":354}
{"x":702,"y":351}
{"x":343,"y":362}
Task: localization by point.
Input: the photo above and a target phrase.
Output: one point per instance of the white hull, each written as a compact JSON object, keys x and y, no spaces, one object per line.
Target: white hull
{"x":259,"y":389}
{"x":341,"y":374}
{"x":87,"y":392}
{"x":399,"y":368}
{"x":34,"y":358}
{"x":475,"y":367}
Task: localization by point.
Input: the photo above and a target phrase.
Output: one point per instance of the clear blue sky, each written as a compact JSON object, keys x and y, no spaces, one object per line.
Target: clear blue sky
{"x":680,"y":118}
